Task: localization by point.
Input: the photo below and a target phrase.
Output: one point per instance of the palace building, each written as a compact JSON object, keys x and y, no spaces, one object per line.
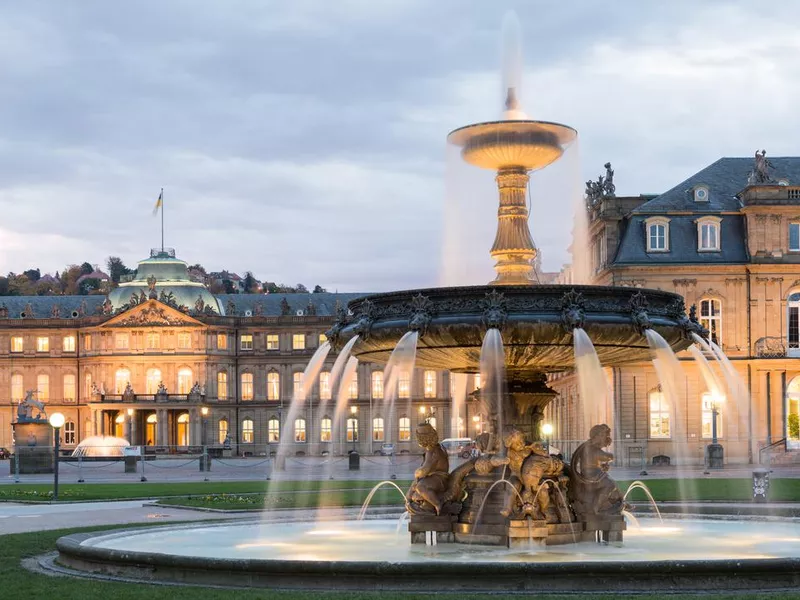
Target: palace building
{"x":728,"y":240}
{"x":143,"y":362}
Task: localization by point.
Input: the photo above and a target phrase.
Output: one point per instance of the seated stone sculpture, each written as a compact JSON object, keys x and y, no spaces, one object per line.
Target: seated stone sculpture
{"x":592,"y":492}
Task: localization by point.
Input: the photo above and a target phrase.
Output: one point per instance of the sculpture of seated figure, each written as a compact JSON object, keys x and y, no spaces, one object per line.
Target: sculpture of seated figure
{"x":592,"y":491}
{"x":428,"y":491}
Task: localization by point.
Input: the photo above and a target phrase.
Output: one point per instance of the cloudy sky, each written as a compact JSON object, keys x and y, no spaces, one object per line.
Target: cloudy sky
{"x":305,"y":140}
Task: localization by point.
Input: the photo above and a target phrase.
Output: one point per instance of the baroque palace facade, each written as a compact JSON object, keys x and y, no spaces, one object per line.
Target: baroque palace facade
{"x":728,"y":240}
{"x":145,"y":361}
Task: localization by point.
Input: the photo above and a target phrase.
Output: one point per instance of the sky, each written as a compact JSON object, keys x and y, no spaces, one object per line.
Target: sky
{"x":306,"y":140}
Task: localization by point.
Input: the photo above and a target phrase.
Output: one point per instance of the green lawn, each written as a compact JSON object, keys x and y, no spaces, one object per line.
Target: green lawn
{"x":20,"y":584}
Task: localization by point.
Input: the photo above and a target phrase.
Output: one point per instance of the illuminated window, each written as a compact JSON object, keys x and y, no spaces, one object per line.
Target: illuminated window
{"x":43,"y":387}
{"x":152,"y":380}
{"x":273,"y":386}
{"x":325,"y":385}
{"x":121,"y":379}
{"x":222,"y":341}
{"x":476,"y":381}
{"x":182,"y":430}
{"x":222,"y":385}
{"x":430,"y":384}
{"x":153,"y":341}
{"x":246,"y":341}
{"x":273,"y":341}
{"x":708,"y":415}
{"x":17,"y":387}
{"x":377,"y":429}
{"x":121,"y":341}
{"x":274,"y":430}
{"x":322,"y":338}
{"x":150,"y":428}
{"x":68,"y":343}
{"x":299,"y":430}
{"x":299,"y":341}
{"x":659,"y":415}
{"x":247,"y":431}
{"x":247,"y":386}
{"x":222,"y":428}
{"x":184,"y":380}
{"x":16,"y":343}
{"x":405,"y":429}
{"x":377,"y":385}
{"x":69,"y":387}
{"x":297,"y":389}
{"x":352,"y":429}
{"x":184,"y":341}
{"x":87,"y":342}
{"x":404,"y":385}
{"x":43,"y":344}
{"x":325,"y":429}
{"x":69,"y":432}
{"x":352,"y":389}
{"x":711,"y":318}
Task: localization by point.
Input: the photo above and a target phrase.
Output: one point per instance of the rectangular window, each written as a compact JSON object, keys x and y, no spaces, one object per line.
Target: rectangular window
{"x":69,"y":387}
{"x":405,"y":429}
{"x":43,"y":387}
{"x":246,"y":341}
{"x":17,"y":387}
{"x":273,"y":386}
{"x":87,"y":342}
{"x":377,"y":429}
{"x":247,"y":386}
{"x":247,"y":431}
{"x":325,"y":385}
{"x":322,"y":338}
{"x":184,"y":341}
{"x":794,"y":237}
{"x":430,"y":384}
{"x":222,"y":341}
{"x":222,"y":385}
{"x":273,"y":341}
{"x":299,"y":341}
{"x":69,"y":432}
{"x":43,"y":344}
{"x":794,"y":327}
{"x":300,"y":430}
{"x":711,"y":318}
{"x":708,"y":236}
{"x":404,"y":385}
{"x":352,"y":429}
{"x":68,"y":343}
{"x":708,"y":416}
{"x":297,"y":389}
{"x":659,"y":416}
{"x":16,"y":343}
{"x":274,"y":431}
{"x":121,"y":341}
{"x":325,"y":430}
{"x":658,"y":237}
{"x":153,"y":341}
{"x":377,"y":385}
{"x":352,"y":389}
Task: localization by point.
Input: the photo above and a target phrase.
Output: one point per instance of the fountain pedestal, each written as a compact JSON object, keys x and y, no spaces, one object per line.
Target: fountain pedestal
{"x":604,"y":529}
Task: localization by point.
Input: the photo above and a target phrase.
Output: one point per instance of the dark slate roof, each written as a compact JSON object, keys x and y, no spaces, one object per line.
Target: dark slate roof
{"x":325,"y":302}
{"x":43,"y":305}
{"x":683,"y":242}
{"x":724,"y":178}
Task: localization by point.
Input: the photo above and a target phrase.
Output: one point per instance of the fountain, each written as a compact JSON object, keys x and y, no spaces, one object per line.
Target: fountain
{"x":96,"y":446}
{"x":490,"y":523}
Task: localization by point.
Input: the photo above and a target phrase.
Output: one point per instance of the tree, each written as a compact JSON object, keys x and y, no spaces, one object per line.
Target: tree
{"x":271,"y":287}
{"x":250,"y":285}
{"x":86,"y":268}
{"x":229,"y":289}
{"x":301,"y":289}
{"x":116,"y":268}
{"x":32,"y":274}
{"x":318,"y":289}
{"x":69,"y":279}
{"x":199,"y":268}
{"x":5,"y":290}
{"x":89,"y":285}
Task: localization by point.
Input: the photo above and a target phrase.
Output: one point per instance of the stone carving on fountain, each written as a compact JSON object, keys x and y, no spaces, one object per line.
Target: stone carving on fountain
{"x":573,"y":315}
{"x":421,"y":317}
{"x":494,"y":313}
{"x":639,"y":319}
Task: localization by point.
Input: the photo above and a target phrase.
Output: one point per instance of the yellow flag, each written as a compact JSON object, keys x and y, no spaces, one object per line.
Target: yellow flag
{"x":158,"y":203}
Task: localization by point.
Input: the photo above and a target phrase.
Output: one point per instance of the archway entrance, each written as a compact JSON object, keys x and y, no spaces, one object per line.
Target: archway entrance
{"x":793,"y":414}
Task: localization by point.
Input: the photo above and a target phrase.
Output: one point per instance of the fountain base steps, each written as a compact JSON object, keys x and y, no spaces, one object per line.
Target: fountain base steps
{"x":516,"y":532}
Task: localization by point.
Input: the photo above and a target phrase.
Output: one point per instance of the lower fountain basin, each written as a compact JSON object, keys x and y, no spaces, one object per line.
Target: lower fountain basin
{"x":377,"y":555}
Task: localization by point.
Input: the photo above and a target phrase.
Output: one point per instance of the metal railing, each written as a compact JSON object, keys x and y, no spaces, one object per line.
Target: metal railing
{"x":771,"y":347}
{"x":769,"y":449}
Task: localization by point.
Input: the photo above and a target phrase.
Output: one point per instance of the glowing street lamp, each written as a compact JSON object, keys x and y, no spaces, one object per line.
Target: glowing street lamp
{"x":56,"y":422}
{"x":353,"y":412}
{"x":547,"y":431}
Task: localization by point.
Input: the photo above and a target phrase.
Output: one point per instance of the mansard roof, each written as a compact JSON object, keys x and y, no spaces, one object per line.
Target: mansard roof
{"x":324,"y":303}
{"x":43,"y":305}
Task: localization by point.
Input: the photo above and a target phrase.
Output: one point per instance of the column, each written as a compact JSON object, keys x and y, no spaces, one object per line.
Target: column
{"x":194,"y":427}
{"x":133,"y":419}
{"x":162,"y":436}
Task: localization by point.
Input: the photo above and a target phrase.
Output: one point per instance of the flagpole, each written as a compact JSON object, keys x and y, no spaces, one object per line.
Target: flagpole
{"x":162,"y":219}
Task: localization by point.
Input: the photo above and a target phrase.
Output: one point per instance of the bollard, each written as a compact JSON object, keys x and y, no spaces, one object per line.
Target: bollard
{"x":355,"y":461}
{"x":205,"y":460}
{"x":760,"y":484}
{"x":130,"y":464}
{"x":80,"y":468}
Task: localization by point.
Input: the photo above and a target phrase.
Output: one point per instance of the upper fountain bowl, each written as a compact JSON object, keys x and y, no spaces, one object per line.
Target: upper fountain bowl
{"x":506,"y":144}
{"x":536,"y":323}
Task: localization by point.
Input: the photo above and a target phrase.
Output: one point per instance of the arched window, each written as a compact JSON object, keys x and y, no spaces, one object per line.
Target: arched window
{"x":708,"y":402}
{"x":377,"y":385}
{"x":17,"y":387}
{"x":325,"y":385}
{"x":247,"y":431}
{"x":247,"y":386}
{"x":43,"y":387}
{"x":152,"y":380}
{"x":657,"y":234}
{"x":222,"y":428}
{"x":430,"y":384}
{"x":711,"y":318}
{"x":325,"y":429}
{"x":660,"y":419}
{"x":352,"y":429}
{"x":405,"y":429}
{"x":404,"y":385}
{"x":69,"y":432}
{"x":297,"y":390}
{"x":299,"y":430}
{"x":273,"y":385}
{"x":150,"y":429}
{"x":352,"y":389}
{"x":69,"y":389}
{"x":121,"y":379}
{"x":793,"y":414}
{"x":274,"y":430}
{"x":184,"y":380}
{"x":182,"y":430}
{"x":222,"y":385}
{"x":377,"y":429}
{"x":794,"y":324}
{"x":708,"y":239}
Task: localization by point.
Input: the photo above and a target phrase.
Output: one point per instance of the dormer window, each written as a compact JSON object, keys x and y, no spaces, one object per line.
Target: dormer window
{"x":657,"y":229}
{"x":708,"y":238}
{"x":701,"y":193}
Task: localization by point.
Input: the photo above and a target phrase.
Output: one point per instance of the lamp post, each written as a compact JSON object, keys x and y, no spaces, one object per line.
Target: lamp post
{"x":354,"y":424}
{"x":203,"y":420}
{"x":547,"y":431}
{"x":478,"y":425}
{"x":56,"y":422}
{"x":130,"y":426}
{"x":715,"y":453}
